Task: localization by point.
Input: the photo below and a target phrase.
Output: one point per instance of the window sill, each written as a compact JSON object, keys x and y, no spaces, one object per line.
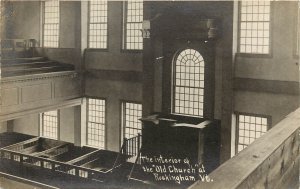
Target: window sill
{"x":96,"y":50}
{"x":131,"y":51}
{"x":252,"y":55}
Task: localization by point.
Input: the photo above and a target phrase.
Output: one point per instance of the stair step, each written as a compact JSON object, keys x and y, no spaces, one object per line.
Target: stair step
{"x":23,"y":60}
{"x":35,"y":71}
{"x":29,"y":65}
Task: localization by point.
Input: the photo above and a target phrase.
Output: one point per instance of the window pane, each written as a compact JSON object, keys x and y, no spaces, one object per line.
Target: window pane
{"x":189,"y":83}
{"x":133,"y":25}
{"x":254,"y":27}
{"x":132,"y":126}
{"x":98,"y":24}
{"x":96,"y":123}
{"x":51,"y":23}
{"x":298,"y":31}
{"x":249,"y":129}
{"x":50,"y":124}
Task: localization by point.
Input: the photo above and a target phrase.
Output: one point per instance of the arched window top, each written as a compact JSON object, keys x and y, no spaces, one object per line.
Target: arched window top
{"x":189,"y":57}
{"x":188,"y":83}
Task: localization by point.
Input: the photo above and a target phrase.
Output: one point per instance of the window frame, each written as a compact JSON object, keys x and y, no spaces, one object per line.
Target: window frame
{"x":123,"y":116}
{"x":256,"y":55}
{"x":124,"y":29}
{"x":237,"y":114}
{"x":177,"y":53}
{"x":41,"y":125}
{"x":296,"y":47}
{"x":88,"y":29}
{"x":43,"y":24}
{"x":105,"y":122}
{"x":123,"y":120}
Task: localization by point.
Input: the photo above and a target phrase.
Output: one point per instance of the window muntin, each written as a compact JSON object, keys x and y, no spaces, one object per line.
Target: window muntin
{"x":98,"y":24}
{"x":188,"y":83}
{"x":51,"y":23}
{"x":132,"y":112}
{"x":96,"y":123}
{"x":133,"y":39}
{"x":49,"y":127}
{"x":250,"y":128}
{"x":254,"y":35}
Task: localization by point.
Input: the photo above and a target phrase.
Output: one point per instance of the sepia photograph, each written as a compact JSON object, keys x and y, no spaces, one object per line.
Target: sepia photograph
{"x":149,"y":94}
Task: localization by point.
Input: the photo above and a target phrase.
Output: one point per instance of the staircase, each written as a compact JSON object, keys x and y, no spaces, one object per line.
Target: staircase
{"x":30,"y":66}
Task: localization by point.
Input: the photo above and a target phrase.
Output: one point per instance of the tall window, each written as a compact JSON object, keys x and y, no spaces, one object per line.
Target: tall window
{"x":98,"y":24}
{"x":254,"y":27}
{"x":132,"y":126}
{"x":49,"y":124}
{"x":133,"y":20}
{"x":96,"y":123}
{"x":188,"y":83}
{"x":250,"y":128}
{"x":298,"y":31}
{"x":132,"y":112}
{"x":51,"y":23}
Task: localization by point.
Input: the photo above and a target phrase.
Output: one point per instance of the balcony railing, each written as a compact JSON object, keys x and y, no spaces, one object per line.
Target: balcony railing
{"x":271,"y":162}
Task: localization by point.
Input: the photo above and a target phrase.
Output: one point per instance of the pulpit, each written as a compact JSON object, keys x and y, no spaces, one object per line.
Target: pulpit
{"x":176,"y":136}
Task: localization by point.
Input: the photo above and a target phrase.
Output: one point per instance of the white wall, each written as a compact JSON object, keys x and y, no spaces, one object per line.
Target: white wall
{"x":27,"y":125}
{"x":67,"y":124}
{"x":30,"y":124}
{"x":3,"y":127}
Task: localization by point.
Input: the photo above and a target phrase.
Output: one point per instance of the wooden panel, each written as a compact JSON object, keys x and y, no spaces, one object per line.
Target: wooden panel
{"x":10,"y":96}
{"x":36,"y":92}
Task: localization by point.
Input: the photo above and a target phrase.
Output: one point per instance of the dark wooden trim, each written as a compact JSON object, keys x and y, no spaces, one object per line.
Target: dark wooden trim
{"x":269,"y":86}
{"x":115,"y":75}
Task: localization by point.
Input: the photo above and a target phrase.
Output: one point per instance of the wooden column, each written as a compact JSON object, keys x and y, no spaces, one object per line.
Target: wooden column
{"x":148,"y":67}
{"x":227,"y":57}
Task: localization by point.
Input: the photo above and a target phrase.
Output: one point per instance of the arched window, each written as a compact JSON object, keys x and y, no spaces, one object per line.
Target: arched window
{"x":188,"y":83}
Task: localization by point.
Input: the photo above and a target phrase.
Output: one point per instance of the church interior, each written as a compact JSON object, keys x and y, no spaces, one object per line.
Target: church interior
{"x":149,"y":94}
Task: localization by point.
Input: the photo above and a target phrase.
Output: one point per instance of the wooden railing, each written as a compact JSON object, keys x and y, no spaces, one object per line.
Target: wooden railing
{"x":130,"y":147}
{"x":133,"y":145}
{"x":53,"y":165}
{"x":17,"y":44}
{"x":136,"y":152}
{"x":137,"y":161}
{"x":76,"y":167}
{"x":270,"y":162}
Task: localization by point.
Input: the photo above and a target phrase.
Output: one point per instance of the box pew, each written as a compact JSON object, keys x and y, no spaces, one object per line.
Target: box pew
{"x":96,"y":165}
{"x":66,"y":152}
{"x":35,"y":146}
{"x":10,"y":138}
{"x":63,"y":157}
{"x":44,"y":163}
{"x":32,"y":147}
